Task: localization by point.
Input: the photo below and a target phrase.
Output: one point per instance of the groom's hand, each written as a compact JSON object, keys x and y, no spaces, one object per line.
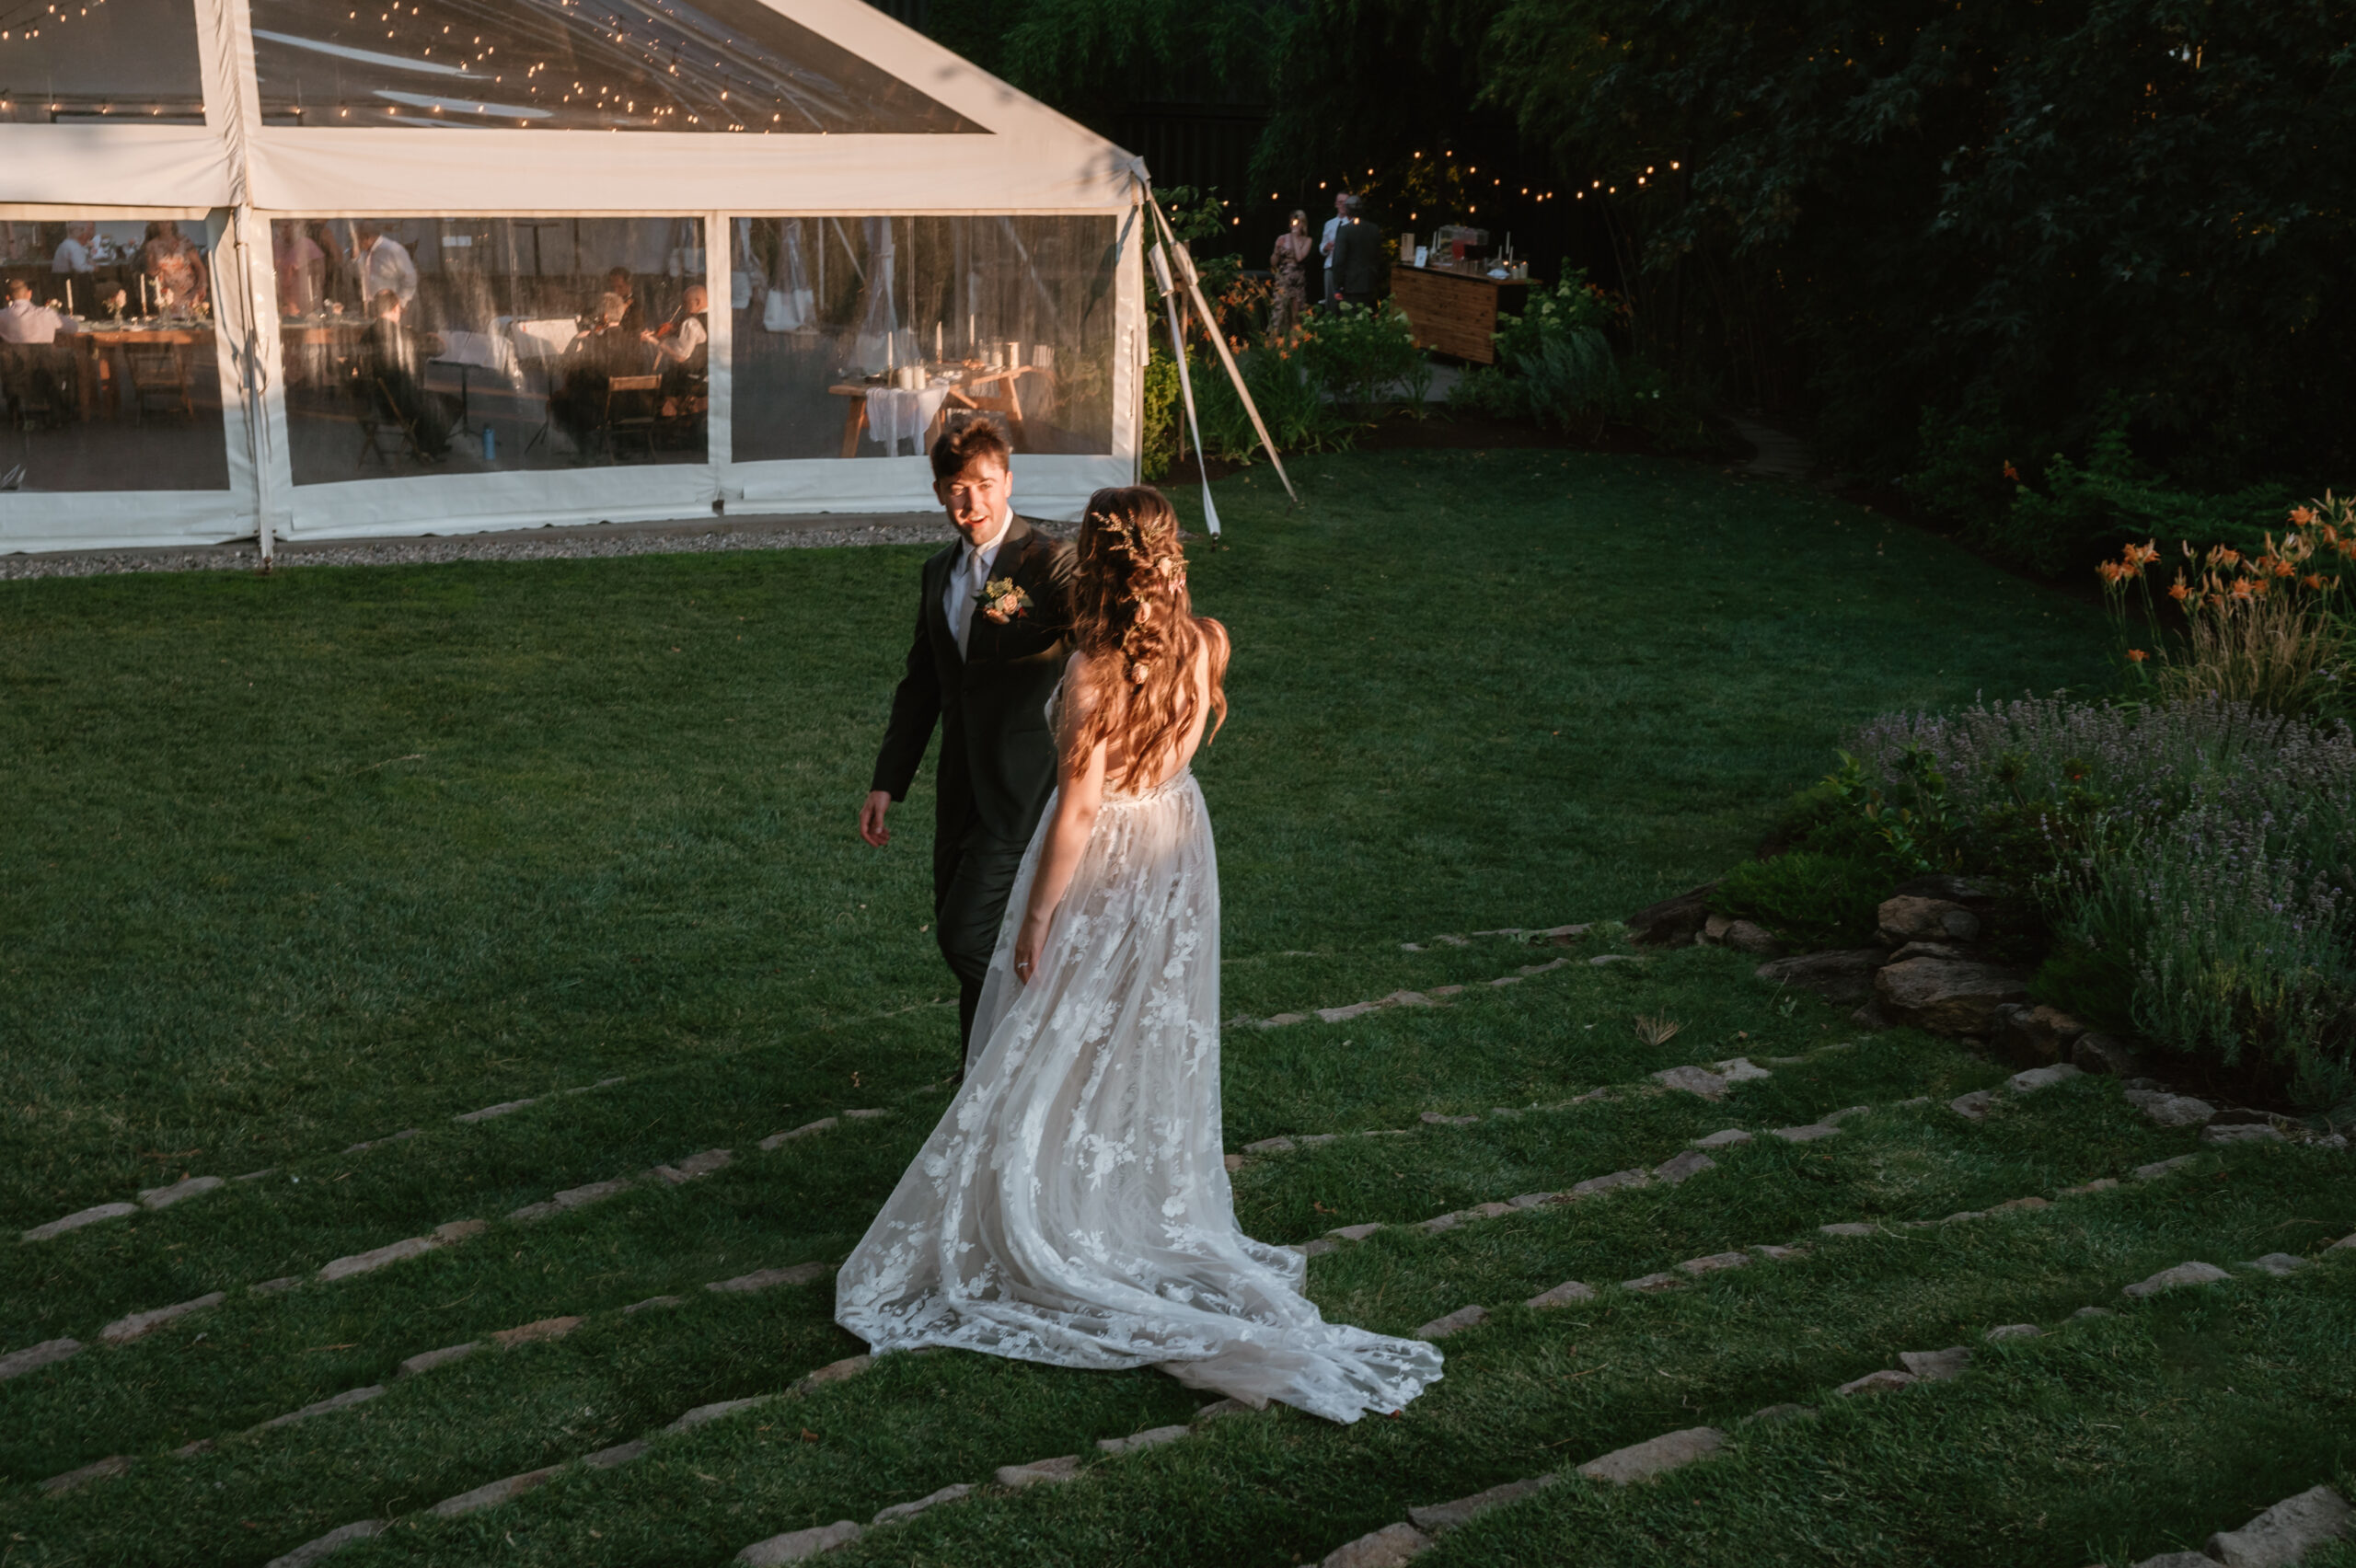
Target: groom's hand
{"x":870,"y":818}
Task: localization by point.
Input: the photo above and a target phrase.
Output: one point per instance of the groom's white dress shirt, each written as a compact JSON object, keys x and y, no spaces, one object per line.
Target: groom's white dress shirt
{"x":973,"y":569}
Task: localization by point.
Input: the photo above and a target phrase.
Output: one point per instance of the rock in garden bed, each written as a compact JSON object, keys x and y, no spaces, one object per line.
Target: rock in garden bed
{"x":1840,"y":976}
{"x":1673,"y":921}
{"x":1905,"y":918}
{"x":2035,"y":1036}
{"x":1947,"y":996}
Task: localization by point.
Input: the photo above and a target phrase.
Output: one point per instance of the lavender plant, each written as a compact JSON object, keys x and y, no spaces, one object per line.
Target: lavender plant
{"x":2205,"y":847}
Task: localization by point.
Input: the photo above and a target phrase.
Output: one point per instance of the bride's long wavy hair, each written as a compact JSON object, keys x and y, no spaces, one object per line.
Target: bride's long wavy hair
{"x":1133,"y":618}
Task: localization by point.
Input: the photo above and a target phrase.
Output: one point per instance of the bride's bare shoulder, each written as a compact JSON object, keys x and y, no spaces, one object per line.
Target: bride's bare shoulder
{"x":1078,"y":694}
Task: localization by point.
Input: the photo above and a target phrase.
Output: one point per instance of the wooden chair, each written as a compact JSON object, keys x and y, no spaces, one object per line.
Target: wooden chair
{"x":686,"y":405}
{"x":385,"y":435}
{"x":631,"y":411}
{"x":34,"y":386}
{"x":158,"y":378}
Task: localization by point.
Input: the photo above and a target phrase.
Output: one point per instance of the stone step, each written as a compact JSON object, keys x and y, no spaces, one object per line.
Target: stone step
{"x":1906,"y":1293}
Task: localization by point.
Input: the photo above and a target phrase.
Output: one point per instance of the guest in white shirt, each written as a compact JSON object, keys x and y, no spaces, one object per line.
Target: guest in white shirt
{"x":1325,"y":249}
{"x":22,"y":321}
{"x":384,"y":263}
{"x":74,"y":255}
{"x":678,"y":345}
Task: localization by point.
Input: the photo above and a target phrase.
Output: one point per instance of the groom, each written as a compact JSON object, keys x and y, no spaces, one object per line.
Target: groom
{"x":993,"y":629}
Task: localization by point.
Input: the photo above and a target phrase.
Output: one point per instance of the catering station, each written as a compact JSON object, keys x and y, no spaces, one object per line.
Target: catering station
{"x":1454,"y":288}
{"x":278,"y":269}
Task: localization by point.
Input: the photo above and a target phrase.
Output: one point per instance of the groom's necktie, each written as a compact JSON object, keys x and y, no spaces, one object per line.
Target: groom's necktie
{"x":965,"y":585}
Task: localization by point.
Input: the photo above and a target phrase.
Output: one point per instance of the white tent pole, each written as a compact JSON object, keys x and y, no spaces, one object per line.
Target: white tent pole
{"x":1185,"y":386}
{"x":1185,"y":267}
{"x":259,"y":387}
{"x":720,"y":353}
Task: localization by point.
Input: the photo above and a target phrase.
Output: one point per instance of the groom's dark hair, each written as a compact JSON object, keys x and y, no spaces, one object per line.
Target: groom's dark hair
{"x":961,"y":445}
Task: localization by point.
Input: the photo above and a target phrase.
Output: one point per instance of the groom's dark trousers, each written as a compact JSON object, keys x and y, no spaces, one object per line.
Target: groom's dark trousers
{"x":998,"y":756}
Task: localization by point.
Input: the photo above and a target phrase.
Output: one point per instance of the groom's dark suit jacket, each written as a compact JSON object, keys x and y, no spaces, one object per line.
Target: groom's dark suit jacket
{"x":997,"y":758}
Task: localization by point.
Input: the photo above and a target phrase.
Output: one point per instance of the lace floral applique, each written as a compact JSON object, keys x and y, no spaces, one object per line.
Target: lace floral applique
{"x":1073,"y":1206}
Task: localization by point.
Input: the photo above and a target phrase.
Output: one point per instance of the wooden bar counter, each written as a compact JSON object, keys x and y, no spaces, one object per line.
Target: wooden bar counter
{"x":1454,"y":311}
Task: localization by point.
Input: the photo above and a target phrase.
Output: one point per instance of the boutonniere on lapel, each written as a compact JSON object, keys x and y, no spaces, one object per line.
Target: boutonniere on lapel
{"x":1002,"y":600}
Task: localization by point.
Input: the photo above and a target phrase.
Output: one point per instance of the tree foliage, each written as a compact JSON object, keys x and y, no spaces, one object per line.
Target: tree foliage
{"x":1941,"y":230}
{"x":2048,"y":202}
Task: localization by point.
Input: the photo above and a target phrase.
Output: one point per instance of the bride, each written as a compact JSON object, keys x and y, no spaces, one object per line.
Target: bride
{"x":1072,"y":1207}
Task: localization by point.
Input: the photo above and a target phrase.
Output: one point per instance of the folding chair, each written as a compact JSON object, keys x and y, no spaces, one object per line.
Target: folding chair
{"x":631,"y":411}
{"x":158,"y":377}
{"x":385,"y":433}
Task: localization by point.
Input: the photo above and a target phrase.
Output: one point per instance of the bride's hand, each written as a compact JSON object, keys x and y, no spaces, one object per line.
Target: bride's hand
{"x":1027,"y":943}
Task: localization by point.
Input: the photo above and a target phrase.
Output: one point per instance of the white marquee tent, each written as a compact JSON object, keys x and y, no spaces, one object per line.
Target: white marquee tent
{"x":408,"y":266}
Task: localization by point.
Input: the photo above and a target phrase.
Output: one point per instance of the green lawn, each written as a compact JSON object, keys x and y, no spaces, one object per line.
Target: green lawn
{"x":299,"y":862}
{"x":313,"y":860}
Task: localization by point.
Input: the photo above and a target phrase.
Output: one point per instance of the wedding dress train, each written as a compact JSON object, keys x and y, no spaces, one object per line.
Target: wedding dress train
{"x":1072,"y":1207}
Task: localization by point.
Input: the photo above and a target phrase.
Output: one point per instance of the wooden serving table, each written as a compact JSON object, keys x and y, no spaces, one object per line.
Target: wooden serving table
{"x":1456,"y":311}
{"x":99,"y":341}
{"x":970,"y":393}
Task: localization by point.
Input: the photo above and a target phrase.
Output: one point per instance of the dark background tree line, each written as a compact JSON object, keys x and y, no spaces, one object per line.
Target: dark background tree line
{"x":1950,"y":237}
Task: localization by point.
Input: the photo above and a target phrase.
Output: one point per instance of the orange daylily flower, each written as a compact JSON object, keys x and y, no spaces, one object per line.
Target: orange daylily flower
{"x":2012,"y":473}
{"x":2313,"y":580}
{"x":2142,"y":555}
{"x":2243,"y":590}
{"x":2111,"y":572}
{"x":2179,"y":592}
{"x":2137,"y":654}
{"x":2302,"y":515}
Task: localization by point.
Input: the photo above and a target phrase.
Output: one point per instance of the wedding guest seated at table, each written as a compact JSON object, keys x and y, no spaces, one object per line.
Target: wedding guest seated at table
{"x":36,"y":371}
{"x":392,"y":360}
{"x":22,"y":321}
{"x":113,"y":306}
{"x":618,"y":286}
{"x":683,"y":346}
{"x":588,"y":367}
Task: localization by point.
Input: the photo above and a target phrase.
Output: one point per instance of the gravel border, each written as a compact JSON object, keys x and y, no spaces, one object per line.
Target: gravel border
{"x":703,"y":536}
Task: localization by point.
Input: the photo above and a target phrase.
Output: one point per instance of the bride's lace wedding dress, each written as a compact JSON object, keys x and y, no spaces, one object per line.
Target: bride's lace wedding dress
{"x":1072,"y":1208}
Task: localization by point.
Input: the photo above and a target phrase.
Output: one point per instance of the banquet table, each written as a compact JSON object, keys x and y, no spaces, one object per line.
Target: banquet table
{"x":97,"y":342}
{"x":972,"y":392}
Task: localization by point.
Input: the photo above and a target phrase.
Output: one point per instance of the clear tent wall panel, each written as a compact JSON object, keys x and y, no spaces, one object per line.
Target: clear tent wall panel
{"x":64,"y":62}
{"x":110,"y":375}
{"x":860,"y":336}
{"x":716,"y":65}
{"x":486,"y":345}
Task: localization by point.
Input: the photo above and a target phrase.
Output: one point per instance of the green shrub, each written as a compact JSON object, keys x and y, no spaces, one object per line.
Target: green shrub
{"x":1158,"y":441}
{"x":1557,"y":351}
{"x":1670,"y":414}
{"x":1291,"y":403}
{"x":1485,"y":390}
{"x":2083,"y":509}
{"x":1821,"y":900}
{"x":1358,"y":353}
{"x":2196,"y":861}
{"x":2098,"y":987}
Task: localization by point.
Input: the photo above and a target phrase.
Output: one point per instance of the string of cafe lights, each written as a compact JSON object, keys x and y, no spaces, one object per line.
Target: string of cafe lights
{"x":28,"y":21}
{"x":702,"y":77}
{"x":1497,"y":187}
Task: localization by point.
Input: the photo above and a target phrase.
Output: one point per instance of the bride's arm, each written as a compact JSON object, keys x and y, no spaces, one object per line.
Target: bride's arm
{"x":1080,"y":790}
